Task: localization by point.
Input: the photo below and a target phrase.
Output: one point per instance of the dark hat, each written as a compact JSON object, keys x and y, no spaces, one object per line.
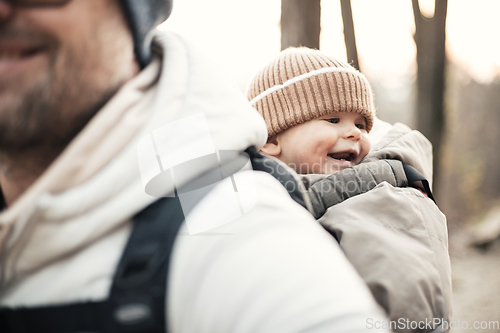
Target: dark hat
{"x":143,"y":16}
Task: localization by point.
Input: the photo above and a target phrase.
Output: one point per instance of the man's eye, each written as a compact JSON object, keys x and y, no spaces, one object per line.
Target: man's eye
{"x":361,"y":126}
{"x":333,"y":120}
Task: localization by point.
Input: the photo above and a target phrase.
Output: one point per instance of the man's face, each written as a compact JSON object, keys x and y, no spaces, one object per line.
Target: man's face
{"x":58,"y":66}
{"x":325,"y":145}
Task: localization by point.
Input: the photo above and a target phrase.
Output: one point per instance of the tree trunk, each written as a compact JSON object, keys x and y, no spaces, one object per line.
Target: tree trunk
{"x":430,"y":35}
{"x":349,"y":35}
{"x":300,"y":23}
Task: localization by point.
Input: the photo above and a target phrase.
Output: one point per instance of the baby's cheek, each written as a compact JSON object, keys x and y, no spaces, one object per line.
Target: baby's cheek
{"x":305,"y":157}
{"x":366,"y":144}
{"x":322,"y":147}
{"x":304,"y":162}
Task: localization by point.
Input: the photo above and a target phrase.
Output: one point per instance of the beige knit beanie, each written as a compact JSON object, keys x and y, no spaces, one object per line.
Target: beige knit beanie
{"x":304,"y":84}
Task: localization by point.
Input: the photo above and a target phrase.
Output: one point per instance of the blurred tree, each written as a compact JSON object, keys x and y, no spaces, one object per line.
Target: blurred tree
{"x":300,"y":23}
{"x":349,"y":35}
{"x":470,"y":182}
{"x":430,"y":35}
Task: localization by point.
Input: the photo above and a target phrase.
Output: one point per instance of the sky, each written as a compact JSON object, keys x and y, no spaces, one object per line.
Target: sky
{"x":243,"y":36}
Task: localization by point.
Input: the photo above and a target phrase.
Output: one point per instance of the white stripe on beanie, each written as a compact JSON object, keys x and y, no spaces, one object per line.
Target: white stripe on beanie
{"x":305,"y":76}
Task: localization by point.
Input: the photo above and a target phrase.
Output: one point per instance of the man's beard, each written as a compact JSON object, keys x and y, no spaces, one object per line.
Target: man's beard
{"x":50,"y":114}
{"x":45,"y":118}
{"x":46,"y":110}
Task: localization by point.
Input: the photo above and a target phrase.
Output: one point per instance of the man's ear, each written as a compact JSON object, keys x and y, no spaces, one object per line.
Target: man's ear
{"x":272,"y":147}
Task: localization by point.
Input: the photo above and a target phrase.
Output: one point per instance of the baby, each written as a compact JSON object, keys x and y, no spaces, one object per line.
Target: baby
{"x":318,"y":111}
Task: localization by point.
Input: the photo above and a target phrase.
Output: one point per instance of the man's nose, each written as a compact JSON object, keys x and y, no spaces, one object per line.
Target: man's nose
{"x":5,"y":10}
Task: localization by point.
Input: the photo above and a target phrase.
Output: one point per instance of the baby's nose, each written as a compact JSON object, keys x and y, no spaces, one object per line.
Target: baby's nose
{"x":352,"y":132}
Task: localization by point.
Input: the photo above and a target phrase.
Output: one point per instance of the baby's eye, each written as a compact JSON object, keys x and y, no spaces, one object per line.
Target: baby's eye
{"x":333,"y":120}
{"x":361,"y":126}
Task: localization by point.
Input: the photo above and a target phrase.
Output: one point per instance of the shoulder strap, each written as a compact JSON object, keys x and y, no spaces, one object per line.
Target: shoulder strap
{"x":263,"y":163}
{"x":414,"y":176}
{"x":359,"y":179}
{"x":354,"y":181}
{"x":137,"y":298}
{"x":138,"y":292}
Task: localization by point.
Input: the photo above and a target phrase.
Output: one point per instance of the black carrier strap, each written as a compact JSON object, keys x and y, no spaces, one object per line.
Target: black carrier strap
{"x":263,"y":163}
{"x":137,"y":301}
{"x":414,"y":176}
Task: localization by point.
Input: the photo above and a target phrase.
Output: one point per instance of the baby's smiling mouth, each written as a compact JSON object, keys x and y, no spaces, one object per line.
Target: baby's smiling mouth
{"x":343,"y":156}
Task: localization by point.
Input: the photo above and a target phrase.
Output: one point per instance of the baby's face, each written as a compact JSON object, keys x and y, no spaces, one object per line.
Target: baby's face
{"x":325,"y":145}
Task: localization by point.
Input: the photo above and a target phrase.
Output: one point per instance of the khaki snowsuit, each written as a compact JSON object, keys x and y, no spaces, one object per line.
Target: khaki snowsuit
{"x":395,"y":237}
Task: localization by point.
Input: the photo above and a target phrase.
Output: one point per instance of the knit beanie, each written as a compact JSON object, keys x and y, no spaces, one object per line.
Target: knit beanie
{"x":303,"y":84}
{"x":143,"y":16}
